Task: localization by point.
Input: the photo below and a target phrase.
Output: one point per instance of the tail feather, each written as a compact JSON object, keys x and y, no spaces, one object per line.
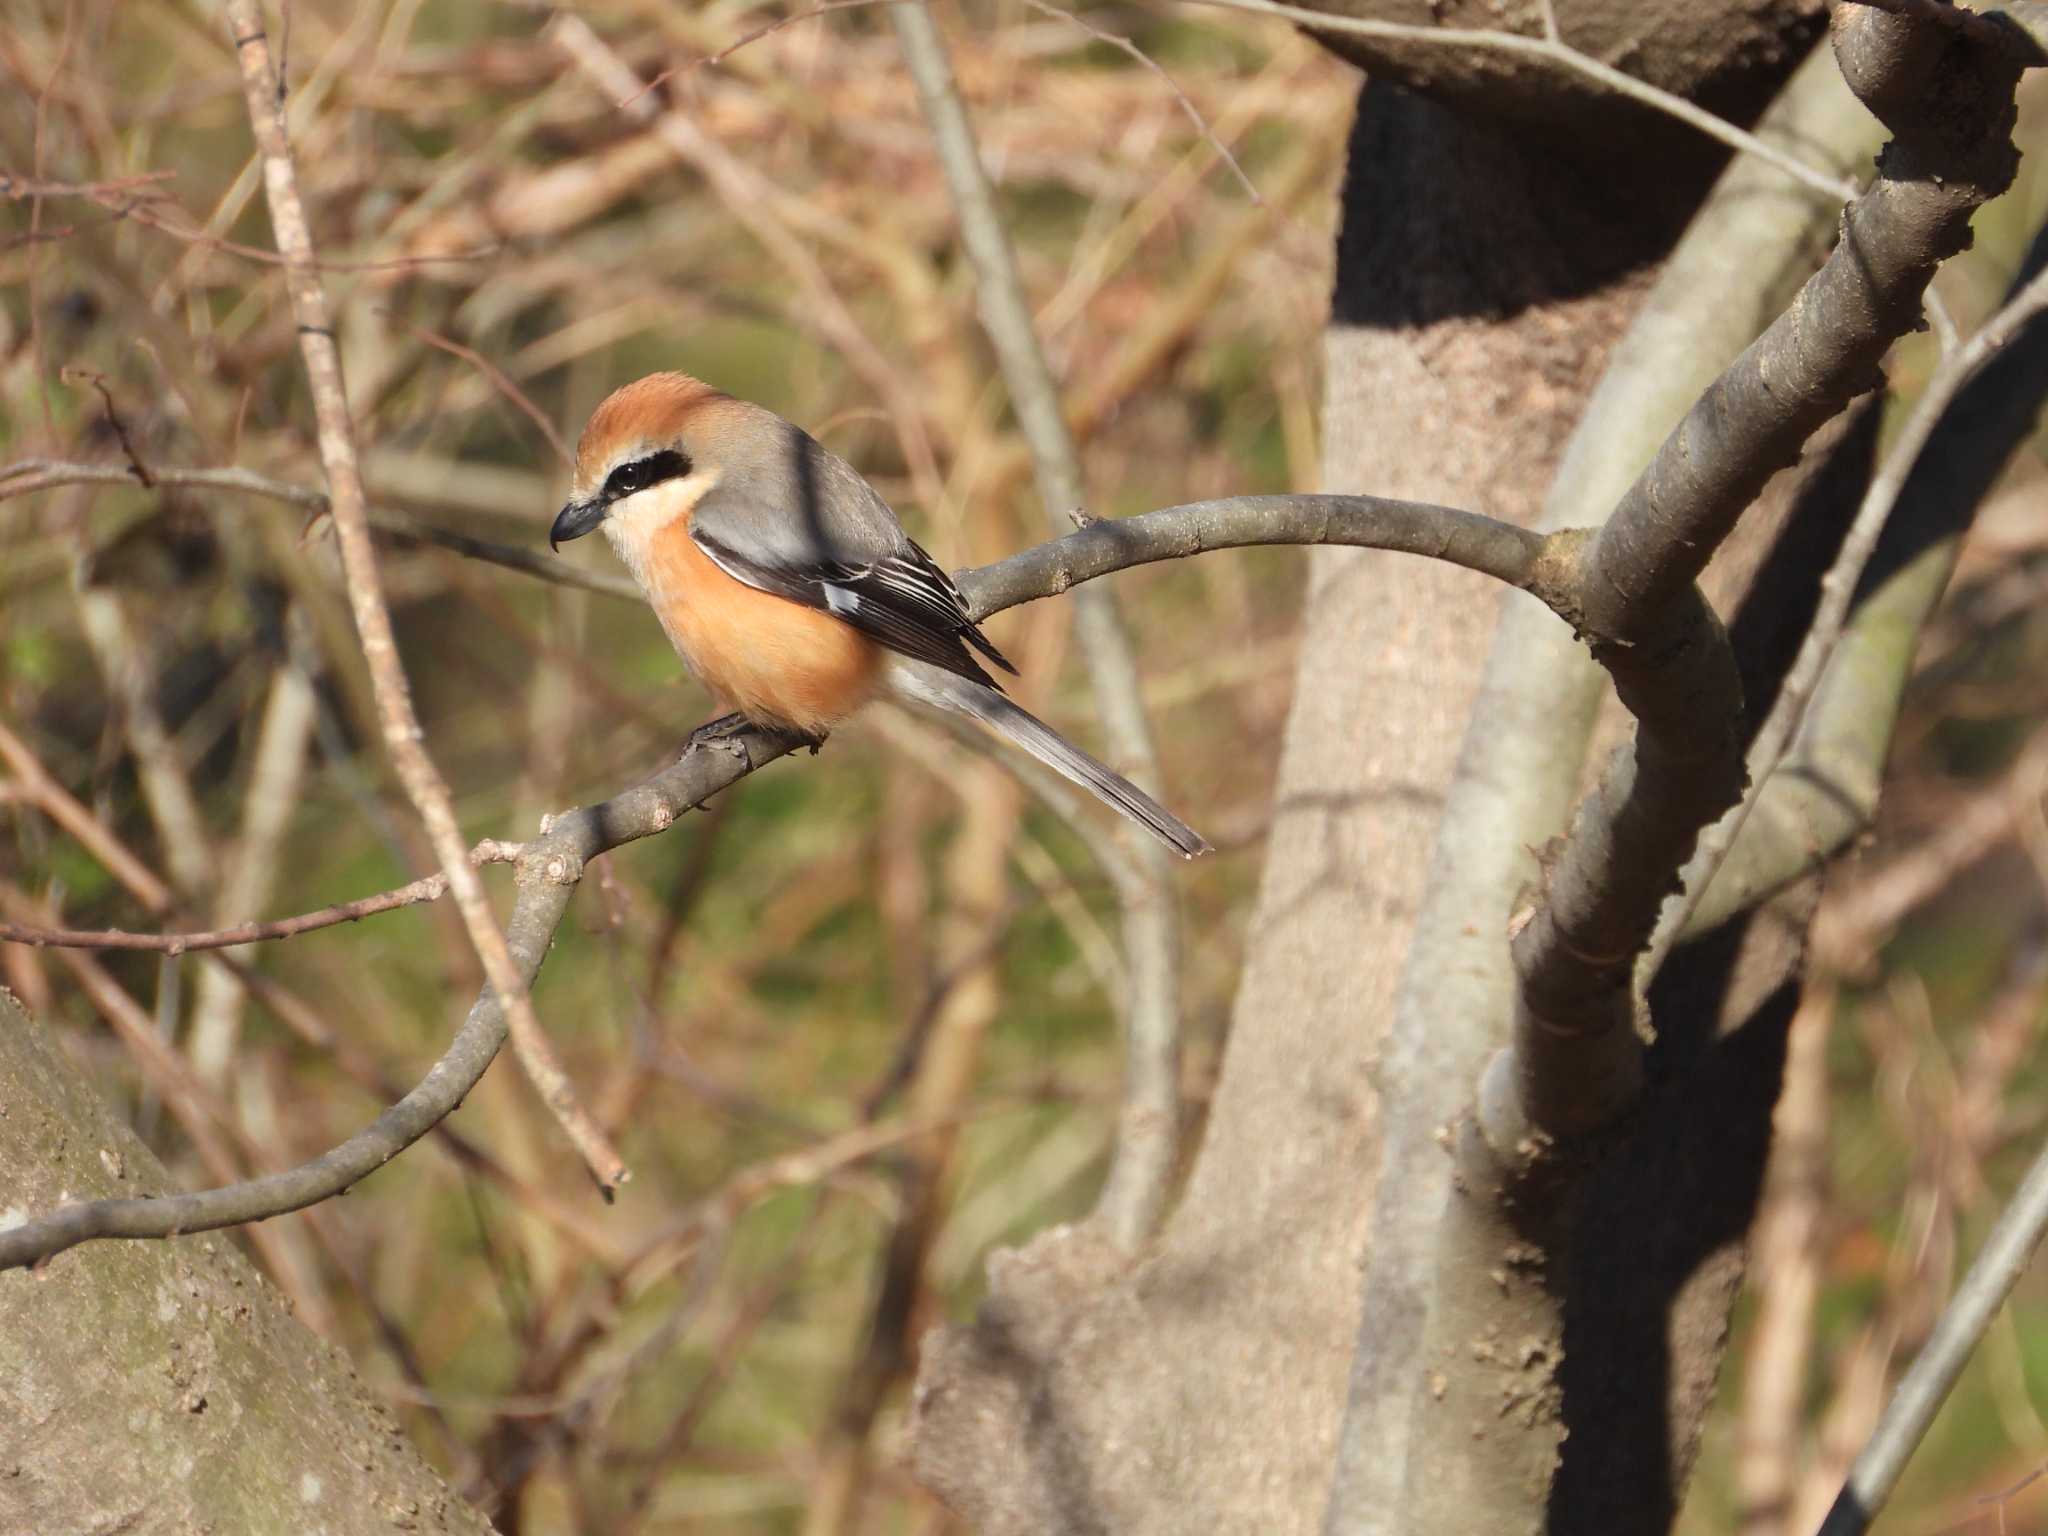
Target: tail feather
{"x":1019,"y":726}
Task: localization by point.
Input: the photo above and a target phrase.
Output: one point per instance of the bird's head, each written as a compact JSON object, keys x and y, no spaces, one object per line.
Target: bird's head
{"x":665,"y":433}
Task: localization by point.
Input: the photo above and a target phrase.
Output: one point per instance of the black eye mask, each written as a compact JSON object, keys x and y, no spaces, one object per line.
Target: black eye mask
{"x":669,"y":464}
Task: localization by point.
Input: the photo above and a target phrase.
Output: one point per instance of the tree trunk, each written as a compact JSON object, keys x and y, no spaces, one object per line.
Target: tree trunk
{"x":164,"y":1386}
{"x":1484,"y":273}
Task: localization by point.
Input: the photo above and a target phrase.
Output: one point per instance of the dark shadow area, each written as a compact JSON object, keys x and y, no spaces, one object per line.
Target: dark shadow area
{"x":1679,"y":1192}
{"x":1447,"y":215}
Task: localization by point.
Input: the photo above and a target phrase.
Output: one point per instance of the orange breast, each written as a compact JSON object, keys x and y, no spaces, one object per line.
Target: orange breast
{"x":777,"y":662}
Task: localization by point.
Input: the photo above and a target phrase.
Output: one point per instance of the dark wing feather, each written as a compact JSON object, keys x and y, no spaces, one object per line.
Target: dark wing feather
{"x":793,"y":518}
{"x":902,"y":600}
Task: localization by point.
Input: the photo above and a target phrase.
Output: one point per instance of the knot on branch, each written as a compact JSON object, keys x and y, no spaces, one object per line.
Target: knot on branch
{"x":547,"y":861}
{"x":1946,"y":90}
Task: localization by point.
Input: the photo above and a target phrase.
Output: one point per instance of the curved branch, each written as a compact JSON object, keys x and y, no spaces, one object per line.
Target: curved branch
{"x":1824,"y":793}
{"x":264,"y":91}
{"x":1843,"y":581}
{"x":1514,"y":555}
{"x":1147,"y":1146}
{"x":549,"y":867}
{"x":1554,"y":50}
{"x":1950,"y":104}
{"x":547,"y":875}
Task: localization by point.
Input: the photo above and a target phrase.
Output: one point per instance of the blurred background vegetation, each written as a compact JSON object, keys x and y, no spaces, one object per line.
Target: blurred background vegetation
{"x":748,"y":1001}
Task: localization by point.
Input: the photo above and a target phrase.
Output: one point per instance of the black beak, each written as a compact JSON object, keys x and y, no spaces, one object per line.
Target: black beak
{"x":574,"y":521}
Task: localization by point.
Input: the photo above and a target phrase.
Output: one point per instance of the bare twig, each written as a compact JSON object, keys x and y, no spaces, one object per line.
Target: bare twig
{"x":810,"y":13}
{"x":1148,"y":1139}
{"x":144,"y":185}
{"x":430,"y":888}
{"x":1969,"y":1314}
{"x":25,"y":477}
{"x":550,"y":866}
{"x":498,"y":381}
{"x":547,"y":876}
{"x":98,"y":381}
{"x":1194,"y":113}
{"x":1553,"y":50}
{"x":348,"y":504}
{"x":749,"y":198}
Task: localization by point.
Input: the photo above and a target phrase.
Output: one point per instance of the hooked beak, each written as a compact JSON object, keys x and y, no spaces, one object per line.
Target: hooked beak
{"x":575,"y":520}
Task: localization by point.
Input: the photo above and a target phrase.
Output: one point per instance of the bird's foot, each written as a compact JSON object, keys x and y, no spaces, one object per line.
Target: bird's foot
{"x":722,"y":734}
{"x":726,"y":731}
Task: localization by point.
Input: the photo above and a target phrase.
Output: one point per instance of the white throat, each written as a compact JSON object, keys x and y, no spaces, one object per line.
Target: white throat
{"x":631,"y":524}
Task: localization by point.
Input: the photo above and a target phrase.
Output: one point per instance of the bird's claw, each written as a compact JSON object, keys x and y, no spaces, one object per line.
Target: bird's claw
{"x":724,"y":734}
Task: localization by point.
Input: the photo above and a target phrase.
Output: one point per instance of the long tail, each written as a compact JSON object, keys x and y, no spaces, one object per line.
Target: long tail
{"x":929,"y":685}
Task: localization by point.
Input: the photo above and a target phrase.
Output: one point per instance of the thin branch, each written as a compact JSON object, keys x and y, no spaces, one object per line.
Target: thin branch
{"x":547,"y":875}
{"x":72,"y":372}
{"x":1552,"y":50}
{"x":497,"y":378}
{"x":2004,"y":1258}
{"x":1148,"y":1136}
{"x":348,"y":504}
{"x":145,"y":185}
{"x":549,"y":867}
{"x":1532,"y":562}
{"x":823,"y":8}
{"x":25,"y":477}
{"x":430,"y":888}
{"x":1194,"y":113}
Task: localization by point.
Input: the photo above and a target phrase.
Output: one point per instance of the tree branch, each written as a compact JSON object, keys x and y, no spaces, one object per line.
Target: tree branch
{"x":1555,"y":51}
{"x":1576,"y":1058}
{"x":423,"y":783}
{"x":1822,"y":796}
{"x":547,"y":873}
{"x":24,"y":477}
{"x":1519,"y":767}
{"x":1544,"y":1106}
{"x":1841,"y":584}
{"x":1966,"y":1319}
{"x":1148,"y":1126}
{"x":430,"y":888}
{"x":549,"y":867}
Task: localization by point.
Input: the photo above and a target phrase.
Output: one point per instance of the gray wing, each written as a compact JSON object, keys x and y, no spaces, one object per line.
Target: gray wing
{"x":808,"y":527}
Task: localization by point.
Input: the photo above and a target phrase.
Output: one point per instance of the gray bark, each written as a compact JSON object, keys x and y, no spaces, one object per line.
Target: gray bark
{"x":164,"y":1387}
{"x":1212,"y":1376}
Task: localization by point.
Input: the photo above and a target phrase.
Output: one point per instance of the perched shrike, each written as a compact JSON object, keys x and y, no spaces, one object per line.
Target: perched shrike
{"x":786,"y":583}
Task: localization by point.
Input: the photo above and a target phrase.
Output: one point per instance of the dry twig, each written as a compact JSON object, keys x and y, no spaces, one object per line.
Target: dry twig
{"x":402,"y":734}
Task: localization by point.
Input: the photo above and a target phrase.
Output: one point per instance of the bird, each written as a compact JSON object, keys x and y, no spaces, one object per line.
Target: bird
{"x":789,"y":587}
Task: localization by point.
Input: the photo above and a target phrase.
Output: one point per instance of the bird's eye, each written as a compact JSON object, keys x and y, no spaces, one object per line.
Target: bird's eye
{"x":641,"y":473}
